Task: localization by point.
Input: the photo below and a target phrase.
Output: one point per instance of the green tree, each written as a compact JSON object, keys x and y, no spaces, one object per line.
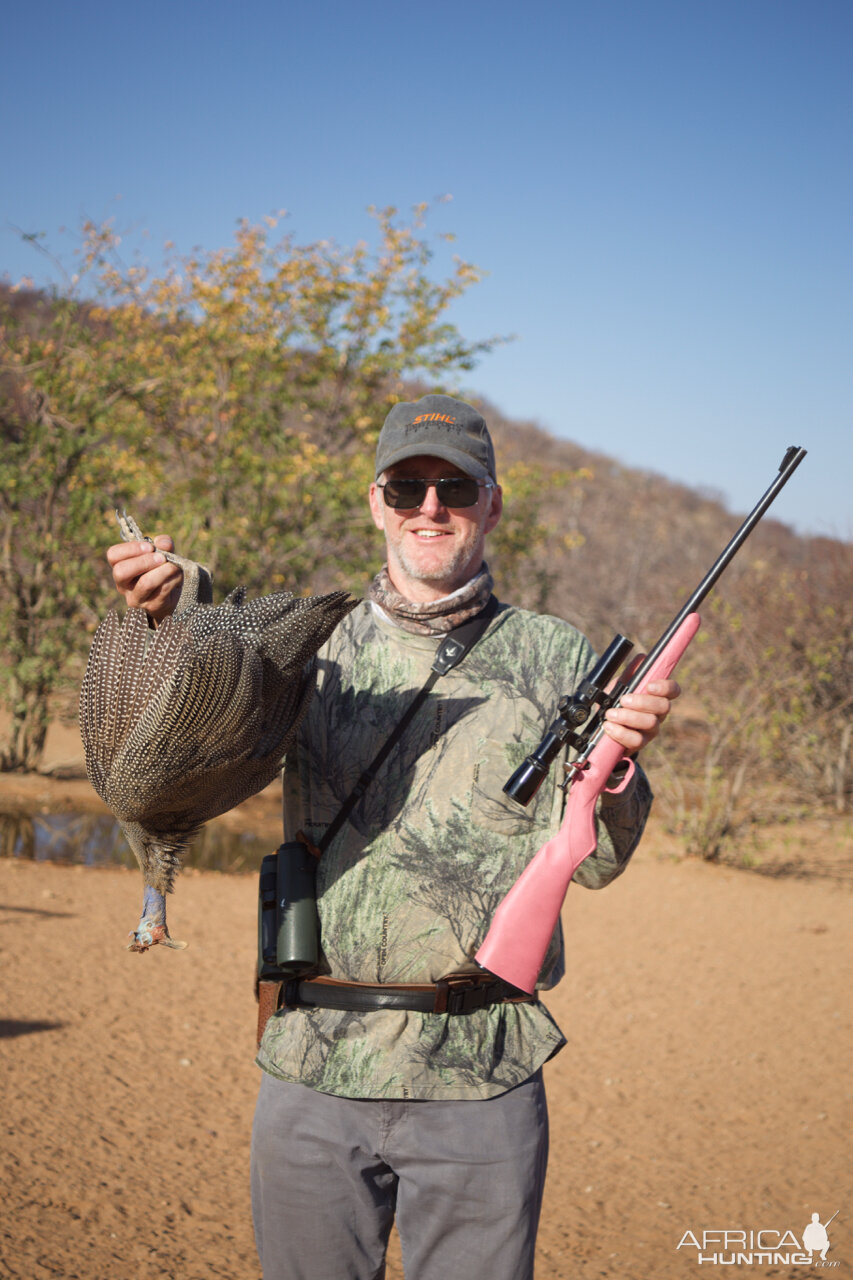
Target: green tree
{"x":59,"y":406}
{"x":234,"y":396}
{"x":268,"y":369}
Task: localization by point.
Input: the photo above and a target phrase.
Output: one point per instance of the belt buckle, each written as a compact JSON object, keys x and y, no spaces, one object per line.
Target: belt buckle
{"x":289,"y":998}
{"x":450,"y":993}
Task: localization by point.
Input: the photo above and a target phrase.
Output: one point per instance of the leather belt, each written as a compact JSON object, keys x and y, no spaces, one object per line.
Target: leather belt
{"x":457,"y":993}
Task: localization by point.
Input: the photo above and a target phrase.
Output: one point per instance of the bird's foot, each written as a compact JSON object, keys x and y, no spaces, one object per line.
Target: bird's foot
{"x":148,"y":933}
{"x":130,"y":530}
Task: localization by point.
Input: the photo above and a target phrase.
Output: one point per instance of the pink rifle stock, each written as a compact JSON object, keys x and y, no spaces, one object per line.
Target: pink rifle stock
{"x":515,"y":946}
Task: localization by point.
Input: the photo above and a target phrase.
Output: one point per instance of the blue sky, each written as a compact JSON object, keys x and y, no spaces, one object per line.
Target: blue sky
{"x":660,"y":192}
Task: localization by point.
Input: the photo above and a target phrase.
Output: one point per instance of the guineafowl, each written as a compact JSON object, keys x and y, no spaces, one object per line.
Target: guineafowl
{"x":184,"y":722}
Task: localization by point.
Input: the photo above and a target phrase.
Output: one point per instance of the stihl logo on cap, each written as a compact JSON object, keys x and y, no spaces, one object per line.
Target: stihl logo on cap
{"x":433,"y":417}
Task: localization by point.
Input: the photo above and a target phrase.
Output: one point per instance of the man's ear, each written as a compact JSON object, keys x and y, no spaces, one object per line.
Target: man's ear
{"x":496,"y":507}
{"x":377,"y":506}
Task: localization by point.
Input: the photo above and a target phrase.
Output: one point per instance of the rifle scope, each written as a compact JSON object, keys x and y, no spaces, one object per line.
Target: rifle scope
{"x":573,"y":710}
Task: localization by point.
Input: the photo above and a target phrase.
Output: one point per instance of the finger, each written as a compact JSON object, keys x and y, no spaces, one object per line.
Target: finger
{"x":646,"y":702}
{"x":156,"y":585}
{"x":633,"y":729}
{"x":643,"y":721}
{"x":631,"y":739}
{"x":129,"y":568}
{"x":126,"y":550}
{"x":670,"y":689}
{"x":637,"y":720}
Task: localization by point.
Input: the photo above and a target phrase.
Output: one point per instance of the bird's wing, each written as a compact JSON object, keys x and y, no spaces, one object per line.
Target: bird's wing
{"x":118,"y":683}
{"x":182,"y":723}
{"x":202,"y":719}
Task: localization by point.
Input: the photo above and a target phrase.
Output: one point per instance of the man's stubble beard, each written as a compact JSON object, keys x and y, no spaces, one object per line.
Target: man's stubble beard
{"x":448,"y":572}
{"x":458,"y":570}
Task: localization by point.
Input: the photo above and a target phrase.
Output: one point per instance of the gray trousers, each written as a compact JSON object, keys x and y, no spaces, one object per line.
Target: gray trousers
{"x":464,"y":1181}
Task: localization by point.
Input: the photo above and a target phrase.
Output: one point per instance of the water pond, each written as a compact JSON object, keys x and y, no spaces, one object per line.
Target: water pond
{"x":96,"y":840}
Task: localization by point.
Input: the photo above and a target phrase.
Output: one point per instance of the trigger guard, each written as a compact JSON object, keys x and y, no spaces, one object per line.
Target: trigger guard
{"x":623,"y":782}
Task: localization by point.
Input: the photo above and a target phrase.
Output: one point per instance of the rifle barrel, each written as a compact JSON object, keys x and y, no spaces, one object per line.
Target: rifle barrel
{"x":792,"y":459}
{"x":788,"y":466}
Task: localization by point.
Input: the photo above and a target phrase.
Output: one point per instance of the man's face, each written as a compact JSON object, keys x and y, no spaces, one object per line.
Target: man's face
{"x":433,"y":549}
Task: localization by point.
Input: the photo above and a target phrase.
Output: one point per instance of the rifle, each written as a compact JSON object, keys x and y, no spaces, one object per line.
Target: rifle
{"x":514,"y":947}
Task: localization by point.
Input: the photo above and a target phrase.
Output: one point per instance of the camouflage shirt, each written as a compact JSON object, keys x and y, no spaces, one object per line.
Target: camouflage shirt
{"x":408,"y":887}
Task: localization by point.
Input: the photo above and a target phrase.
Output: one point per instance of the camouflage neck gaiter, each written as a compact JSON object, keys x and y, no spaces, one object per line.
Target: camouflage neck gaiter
{"x":431,"y":617}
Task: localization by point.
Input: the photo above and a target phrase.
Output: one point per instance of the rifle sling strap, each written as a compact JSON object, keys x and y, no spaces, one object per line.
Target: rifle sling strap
{"x":451,"y":651}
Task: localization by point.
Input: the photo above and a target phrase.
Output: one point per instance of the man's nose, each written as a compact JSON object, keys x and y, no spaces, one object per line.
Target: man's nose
{"x":431,"y":506}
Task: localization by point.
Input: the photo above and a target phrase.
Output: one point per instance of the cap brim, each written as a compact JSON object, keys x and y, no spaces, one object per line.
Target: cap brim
{"x":463,"y":461}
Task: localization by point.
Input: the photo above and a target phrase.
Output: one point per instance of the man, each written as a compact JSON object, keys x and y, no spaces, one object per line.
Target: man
{"x":373,"y":1105}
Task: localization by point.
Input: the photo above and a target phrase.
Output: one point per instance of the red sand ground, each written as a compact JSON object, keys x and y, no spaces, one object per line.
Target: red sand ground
{"x":706,"y":1083}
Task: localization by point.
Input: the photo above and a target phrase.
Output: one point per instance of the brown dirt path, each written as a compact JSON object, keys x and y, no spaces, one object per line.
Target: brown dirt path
{"x":706,"y":1083}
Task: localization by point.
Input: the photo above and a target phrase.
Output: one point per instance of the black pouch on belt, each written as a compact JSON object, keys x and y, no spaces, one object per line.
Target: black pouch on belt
{"x":288,"y":931}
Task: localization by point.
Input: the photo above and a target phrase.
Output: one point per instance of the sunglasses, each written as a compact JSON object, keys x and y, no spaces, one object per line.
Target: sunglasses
{"x":454,"y":491}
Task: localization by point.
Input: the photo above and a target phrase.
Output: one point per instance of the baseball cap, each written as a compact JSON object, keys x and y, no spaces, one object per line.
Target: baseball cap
{"x":440,"y":427}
